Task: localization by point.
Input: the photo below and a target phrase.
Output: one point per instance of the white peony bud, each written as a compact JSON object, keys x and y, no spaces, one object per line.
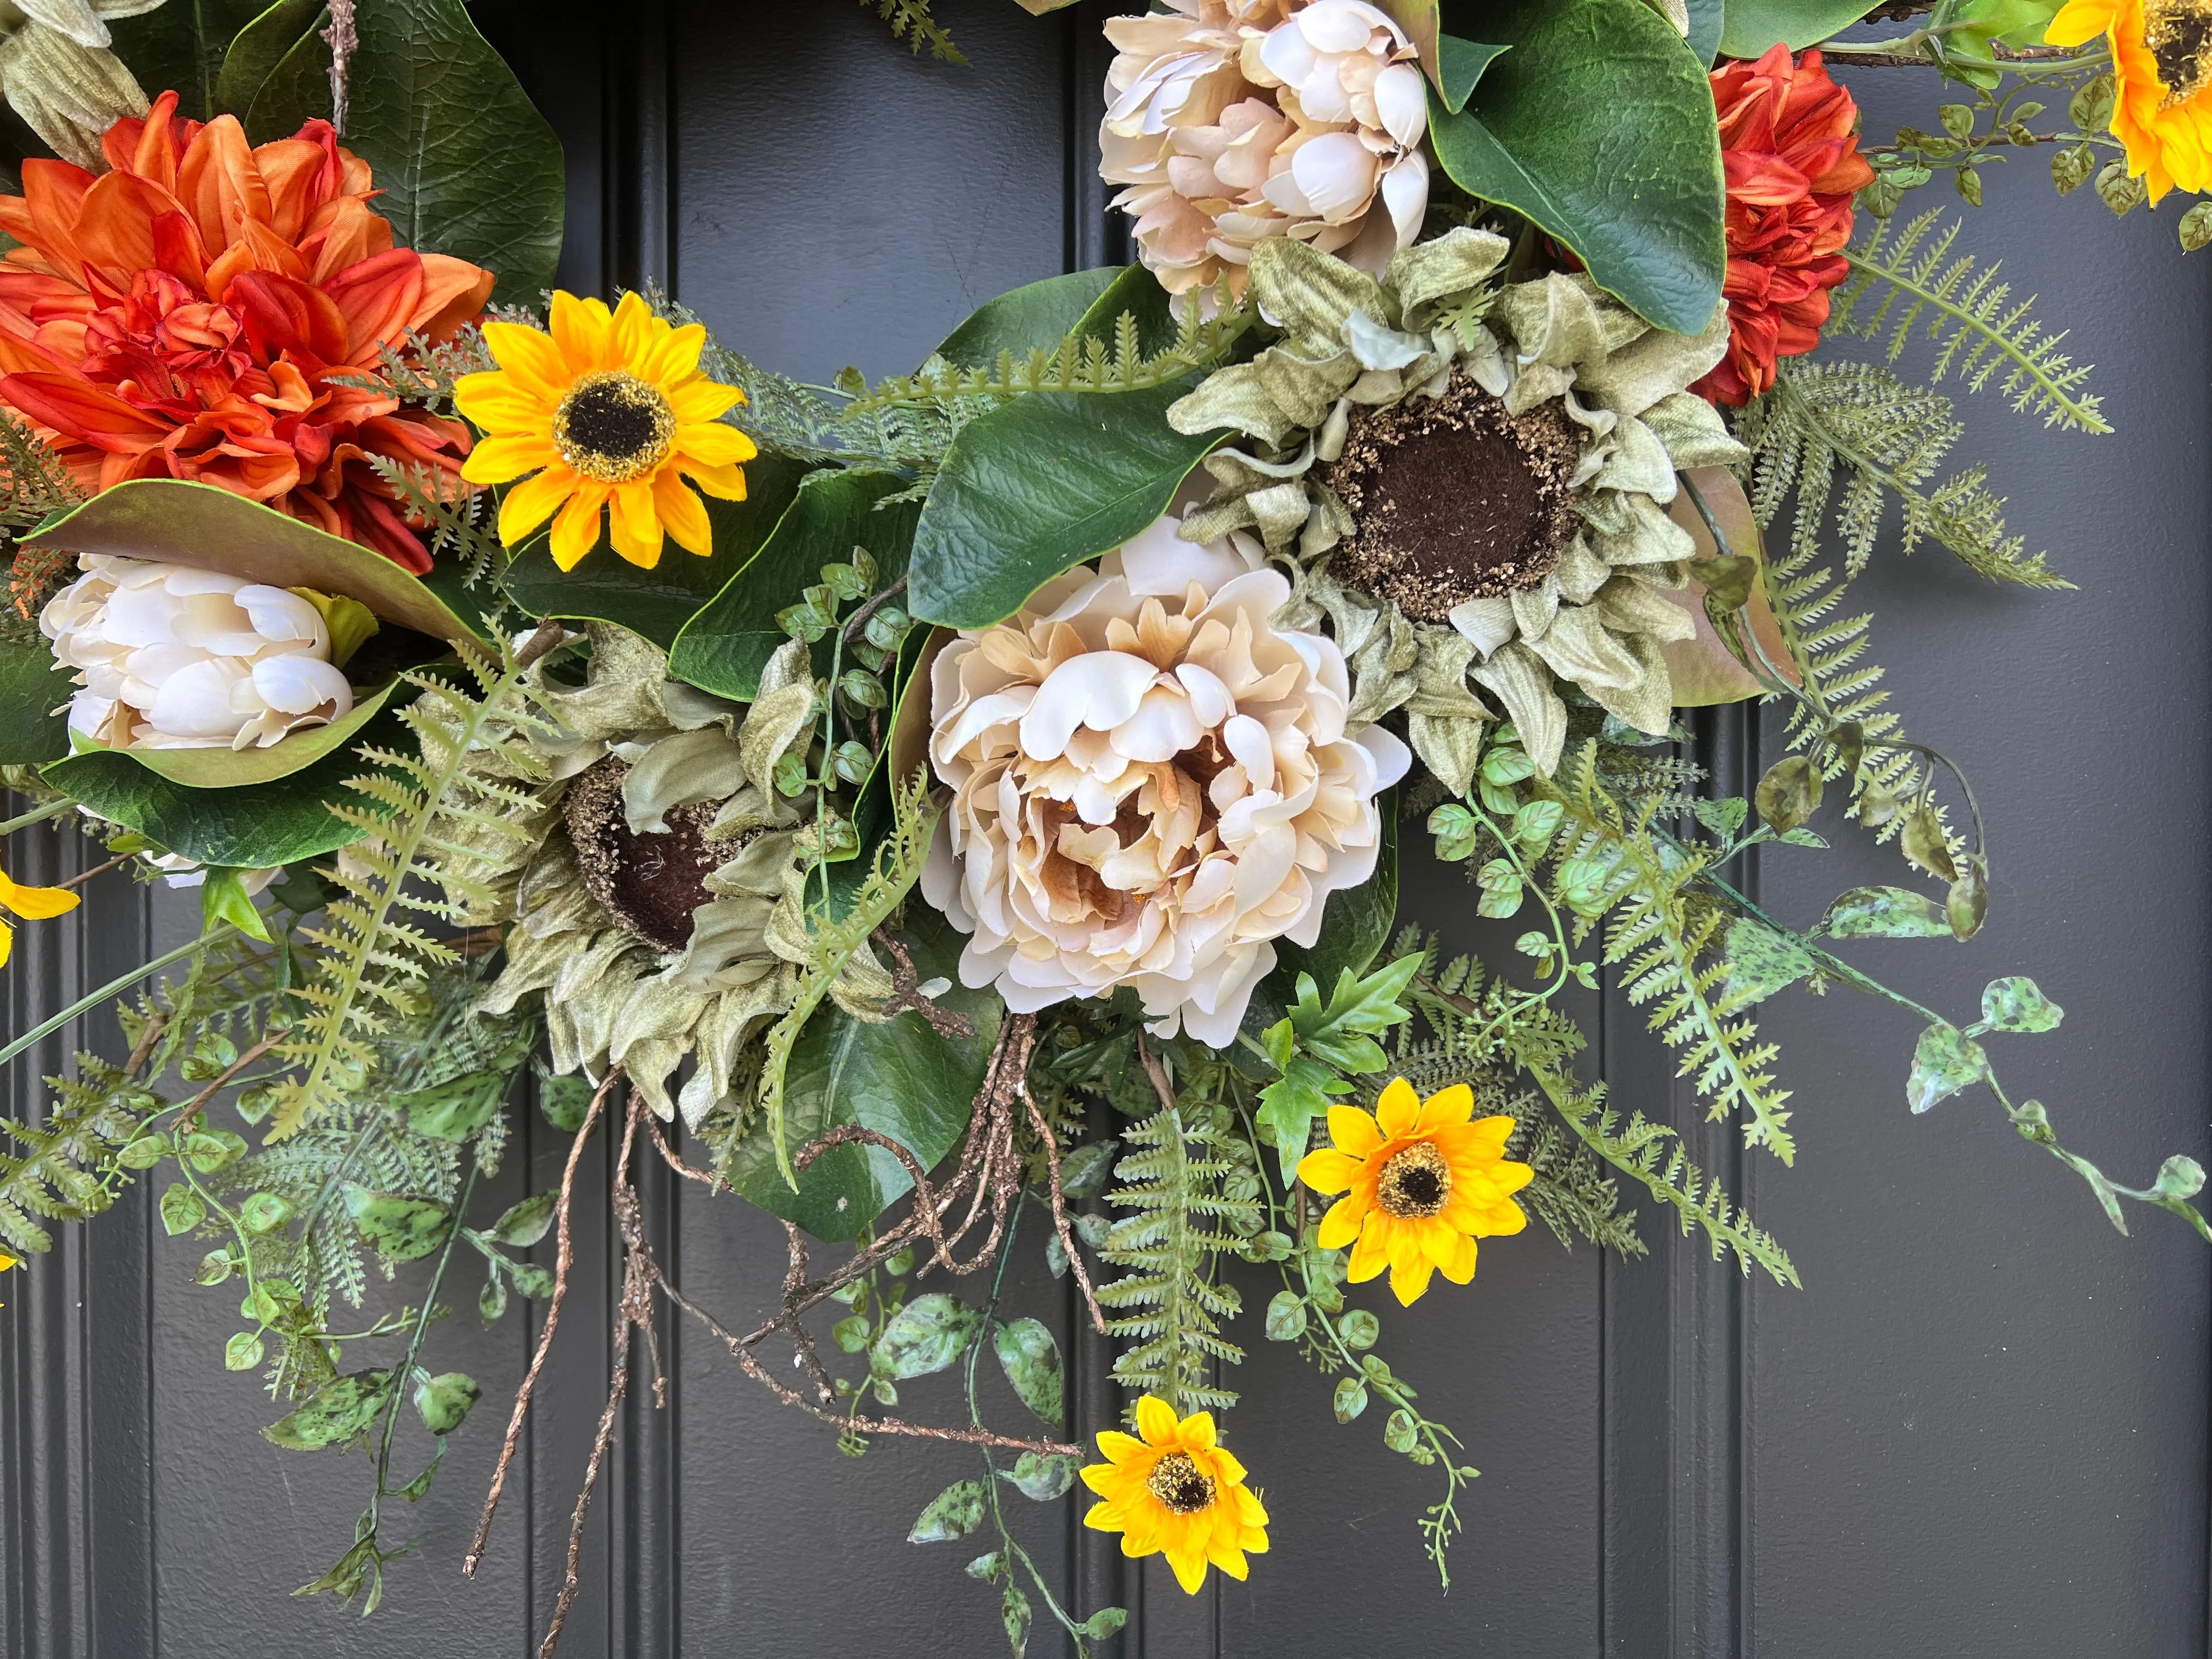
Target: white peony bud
{"x":170,"y":657}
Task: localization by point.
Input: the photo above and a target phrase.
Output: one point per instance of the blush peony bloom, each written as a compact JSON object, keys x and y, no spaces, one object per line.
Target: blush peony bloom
{"x":182,"y":317}
{"x":1231,"y":121}
{"x":1151,"y":782}
{"x":169,"y":656}
{"x":1790,"y":143}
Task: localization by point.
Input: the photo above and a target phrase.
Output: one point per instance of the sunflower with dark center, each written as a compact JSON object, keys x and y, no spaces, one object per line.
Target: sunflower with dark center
{"x":2162,"y":75}
{"x":1470,"y":477}
{"x":1421,"y":1180}
{"x":656,"y":905}
{"x":1172,"y":1489}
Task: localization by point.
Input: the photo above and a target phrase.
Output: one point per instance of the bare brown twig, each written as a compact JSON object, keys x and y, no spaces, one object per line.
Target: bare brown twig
{"x":341,"y":37}
{"x":197,"y":1103}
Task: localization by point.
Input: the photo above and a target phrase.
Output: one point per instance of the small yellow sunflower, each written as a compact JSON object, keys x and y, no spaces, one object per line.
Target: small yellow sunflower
{"x":608,"y":410}
{"x":2162,"y":62}
{"x":1177,"y":1493}
{"x":1420,"y":1184}
{"x":32,"y":904}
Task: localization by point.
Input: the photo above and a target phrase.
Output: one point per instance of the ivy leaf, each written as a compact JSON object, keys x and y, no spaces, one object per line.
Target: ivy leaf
{"x":334,"y":1414}
{"x":724,"y":647}
{"x":1760,"y":962}
{"x":443,"y":1402}
{"x":1885,"y":912}
{"x":2016,"y":1003}
{"x":1945,"y":1061}
{"x":31,"y":690}
{"x":1290,"y":1105}
{"x":953,"y":1513}
{"x":925,"y":1335}
{"x":401,"y":1229}
{"x":1030,"y":1360}
{"x":1643,"y":208}
{"x":1041,"y":484}
{"x":465,"y":164}
{"x":1043,"y":1478}
{"x":1357,"y":1007}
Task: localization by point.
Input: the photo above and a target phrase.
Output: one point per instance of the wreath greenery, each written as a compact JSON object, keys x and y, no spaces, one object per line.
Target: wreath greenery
{"x":914,"y":803}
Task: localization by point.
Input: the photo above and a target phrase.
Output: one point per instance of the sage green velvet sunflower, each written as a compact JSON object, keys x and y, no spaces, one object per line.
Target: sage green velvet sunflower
{"x":1470,"y":480}
{"x":659,"y":910}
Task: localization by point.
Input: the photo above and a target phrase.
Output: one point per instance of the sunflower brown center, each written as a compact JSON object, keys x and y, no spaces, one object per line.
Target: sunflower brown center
{"x":1415,"y":1182}
{"x":613,"y":428}
{"x":2178,"y":34}
{"x":650,"y":883}
{"x":1179,"y":1484}
{"x":1453,"y":499}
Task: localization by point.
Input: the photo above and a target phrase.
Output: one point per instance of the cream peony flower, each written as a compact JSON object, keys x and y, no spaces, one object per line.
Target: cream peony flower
{"x":170,"y":657}
{"x":1231,"y":121}
{"x":1151,"y":782}
{"x":57,"y":72}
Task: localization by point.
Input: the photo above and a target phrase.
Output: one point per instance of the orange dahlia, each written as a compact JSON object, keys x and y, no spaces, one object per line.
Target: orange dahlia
{"x":1790,"y":146}
{"x":183,"y":316}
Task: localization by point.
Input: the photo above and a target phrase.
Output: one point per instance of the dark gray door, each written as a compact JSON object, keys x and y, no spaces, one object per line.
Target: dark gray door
{"x":1979,"y":1431}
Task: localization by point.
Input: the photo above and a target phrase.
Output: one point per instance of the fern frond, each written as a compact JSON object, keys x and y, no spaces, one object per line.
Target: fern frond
{"x":418,"y":371}
{"x":34,"y":485}
{"x":911,"y":22}
{"x":67,"y":1171}
{"x":1888,"y":438}
{"x":1176,"y":1178}
{"x":1980,"y":333}
{"x":371,"y":963}
{"x":457,"y":516}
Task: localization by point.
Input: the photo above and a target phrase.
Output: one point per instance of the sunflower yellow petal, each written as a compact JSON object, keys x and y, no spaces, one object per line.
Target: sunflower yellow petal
{"x":531,"y":359}
{"x":1399,"y":1110}
{"x":1341,"y":1225}
{"x":1156,"y":1421}
{"x":1458,"y":1263}
{"x":581,"y":328}
{"x":577,"y":532}
{"x":1369,"y":1255}
{"x":683,"y":515}
{"x":673,"y":356}
{"x":1328,"y":1171}
{"x":631,"y":338}
{"x":35,"y":904}
{"x":496,"y":403}
{"x":532,"y":502}
{"x":709,"y":443}
{"x":506,"y":456}
{"x":1409,"y":1278}
{"x":633,"y":526}
{"x":1189,"y":1568}
{"x":7,"y":943}
{"x":1227,"y":1558}
{"x":703,"y":400}
{"x":1353,"y":1131}
{"x":1447,"y":1106}
{"x":725,"y":483}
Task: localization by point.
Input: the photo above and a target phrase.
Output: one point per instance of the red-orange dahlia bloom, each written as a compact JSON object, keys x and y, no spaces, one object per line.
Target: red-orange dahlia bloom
{"x":181,"y":316}
{"x":1790,"y":143}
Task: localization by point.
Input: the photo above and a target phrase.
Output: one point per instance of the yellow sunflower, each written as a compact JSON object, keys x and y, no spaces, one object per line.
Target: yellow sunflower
{"x":2162,"y":62}
{"x":32,"y":904}
{"x":608,"y":410}
{"x":1175,"y":1491}
{"x":1420,"y":1184}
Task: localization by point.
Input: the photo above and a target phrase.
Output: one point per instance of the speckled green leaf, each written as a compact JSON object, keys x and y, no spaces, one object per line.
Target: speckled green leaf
{"x":1885,"y":913}
{"x":1030,"y":1360}
{"x":467,"y":165}
{"x":403,"y":1228}
{"x":1638,"y":193}
{"x":444,"y":1400}
{"x":923,"y":1337}
{"x":2016,"y":1003}
{"x":456,"y":1110}
{"x":1041,"y":1477}
{"x":1760,"y":962}
{"x":1945,"y":1061}
{"x":953,"y":1513}
{"x":337,"y":1412}
{"x":527,"y":1222}
{"x":1040,"y":484}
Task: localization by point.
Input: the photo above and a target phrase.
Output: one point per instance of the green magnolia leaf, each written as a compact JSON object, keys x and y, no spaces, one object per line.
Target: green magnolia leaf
{"x":1041,"y":1477}
{"x":953,"y":1513}
{"x":182,"y":1209}
{"x":1708,"y":18}
{"x":725,"y":645}
{"x":527,"y":1222}
{"x":403,"y":1228}
{"x":2016,"y":1003}
{"x":901,"y":1078}
{"x":1753,"y":26}
{"x":180,"y":47}
{"x":258,"y":48}
{"x":925,"y":1335}
{"x":1459,"y":64}
{"x":1037,"y":485}
{"x":659,"y":602}
{"x":334,"y":1414}
{"x":443,"y":1402}
{"x":455,"y":1111}
{"x":466,"y":164}
{"x":1885,"y":913}
{"x":234,"y":768}
{"x":1037,"y":316}
{"x":32,"y":692}
{"x":1356,"y":923}
{"x":200,"y":525}
{"x":1945,"y":1061}
{"x":1760,"y":962}
{"x":1642,"y":205}
{"x":1030,"y":1360}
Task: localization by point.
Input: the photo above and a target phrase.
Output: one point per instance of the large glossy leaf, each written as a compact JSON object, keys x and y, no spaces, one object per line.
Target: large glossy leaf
{"x":181,"y":46}
{"x":1708,"y":20}
{"x":727,"y":645}
{"x":657,"y":603}
{"x":30,"y":690}
{"x":1637,"y":192}
{"x":900,"y":1079}
{"x":1752,"y":26}
{"x":259,"y":47}
{"x":1041,"y":484}
{"x":467,"y":165}
{"x":1036,"y":314}
{"x":249,"y":827}
{"x":232,"y":768}
{"x":1354,"y":927}
{"x":197,"y":524}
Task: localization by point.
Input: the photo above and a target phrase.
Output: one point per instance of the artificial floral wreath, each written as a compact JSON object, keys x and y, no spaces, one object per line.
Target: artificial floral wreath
{"x":1043,"y":747}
